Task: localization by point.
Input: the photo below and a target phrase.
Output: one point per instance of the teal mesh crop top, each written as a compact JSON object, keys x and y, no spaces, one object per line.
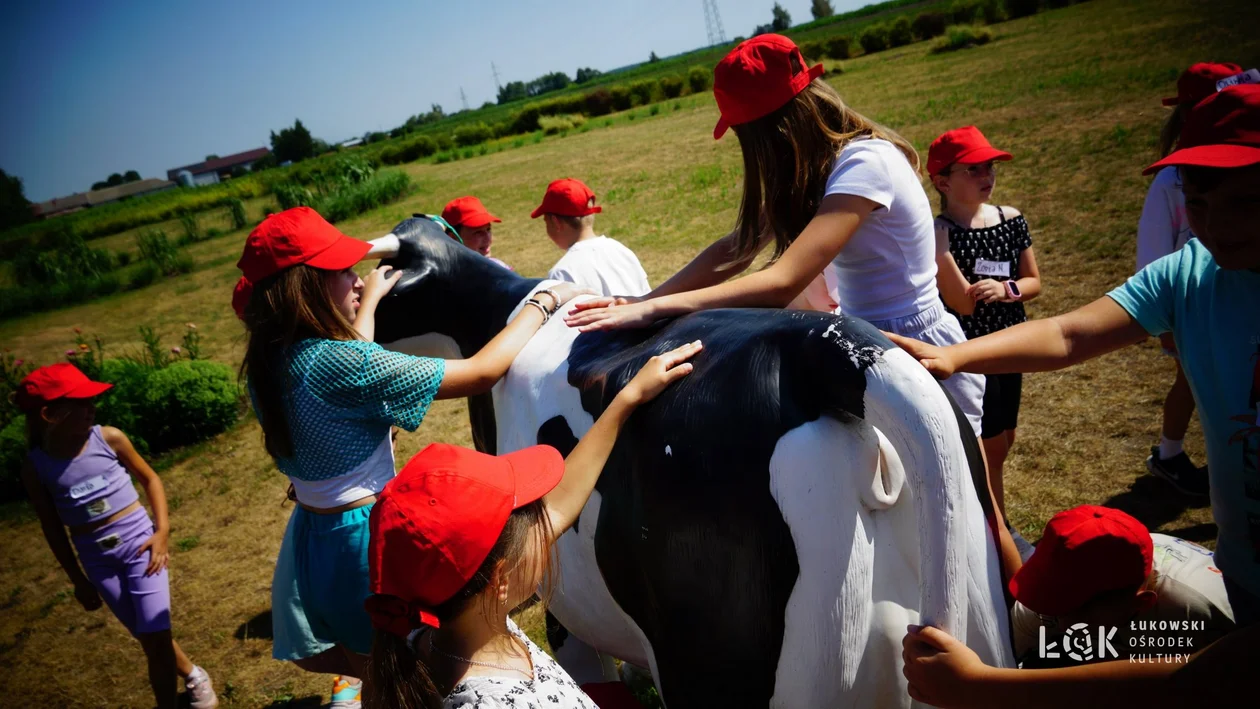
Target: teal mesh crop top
{"x":341,"y":398}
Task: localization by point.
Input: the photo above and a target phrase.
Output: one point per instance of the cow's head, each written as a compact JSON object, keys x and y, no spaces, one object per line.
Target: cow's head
{"x":446,"y":290}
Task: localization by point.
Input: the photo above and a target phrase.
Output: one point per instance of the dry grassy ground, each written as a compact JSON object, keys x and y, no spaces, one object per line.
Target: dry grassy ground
{"x":1073,"y":93}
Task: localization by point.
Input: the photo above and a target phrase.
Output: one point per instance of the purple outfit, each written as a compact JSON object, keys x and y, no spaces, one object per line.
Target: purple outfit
{"x":90,"y":486}
{"x":94,"y":485}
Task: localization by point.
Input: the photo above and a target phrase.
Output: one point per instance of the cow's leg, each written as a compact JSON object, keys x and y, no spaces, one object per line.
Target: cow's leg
{"x":840,"y":489}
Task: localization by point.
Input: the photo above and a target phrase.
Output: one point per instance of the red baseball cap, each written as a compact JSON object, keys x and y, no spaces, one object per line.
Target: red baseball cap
{"x":1223,"y":130}
{"x":1199,"y":81}
{"x":294,"y":236}
{"x":966,"y":145}
{"x":240,"y":296}
{"x":1084,"y":551}
{"x":469,"y":212}
{"x":56,"y":381}
{"x":757,"y":78}
{"x":567,"y":197}
{"x":434,"y":525}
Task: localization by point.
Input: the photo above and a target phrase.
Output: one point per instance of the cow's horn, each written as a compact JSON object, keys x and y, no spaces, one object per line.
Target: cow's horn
{"x":384,"y":247}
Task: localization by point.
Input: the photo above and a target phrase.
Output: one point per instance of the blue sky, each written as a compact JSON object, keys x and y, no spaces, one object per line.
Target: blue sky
{"x":92,"y":88}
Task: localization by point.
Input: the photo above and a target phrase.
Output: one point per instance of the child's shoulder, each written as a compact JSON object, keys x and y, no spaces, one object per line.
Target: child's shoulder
{"x":113,"y":436}
{"x":1010,"y":212}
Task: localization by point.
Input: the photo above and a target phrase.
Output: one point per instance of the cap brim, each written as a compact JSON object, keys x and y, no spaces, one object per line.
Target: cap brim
{"x":1223,"y":155}
{"x":979,"y":155}
{"x":536,"y":213}
{"x":1034,"y":586}
{"x":88,"y":390}
{"x":344,"y":253}
{"x":480,"y":221}
{"x":537,"y":469}
{"x":720,"y":129}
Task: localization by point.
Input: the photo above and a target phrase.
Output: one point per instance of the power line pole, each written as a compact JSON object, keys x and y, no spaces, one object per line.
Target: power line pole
{"x":463,"y":98}
{"x":713,"y":23}
{"x":495,"y":71}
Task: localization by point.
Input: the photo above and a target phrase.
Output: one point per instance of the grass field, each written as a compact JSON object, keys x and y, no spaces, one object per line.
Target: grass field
{"x":1073,"y":93}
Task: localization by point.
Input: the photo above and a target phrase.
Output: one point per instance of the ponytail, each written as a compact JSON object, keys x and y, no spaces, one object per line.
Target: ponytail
{"x":397,"y":677}
{"x":1171,"y":130}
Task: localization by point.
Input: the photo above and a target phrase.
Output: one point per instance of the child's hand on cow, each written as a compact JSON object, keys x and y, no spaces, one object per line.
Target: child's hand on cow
{"x":613,"y":316}
{"x":605,"y":302}
{"x":658,"y":373}
{"x":941,"y":671}
{"x":935,"y":359}
{"x":376,"y":284}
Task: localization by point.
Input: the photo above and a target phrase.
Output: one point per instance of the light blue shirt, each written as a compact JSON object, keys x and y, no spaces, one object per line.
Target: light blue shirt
{"x":1214,"y":316}
{"x":341,"y":397}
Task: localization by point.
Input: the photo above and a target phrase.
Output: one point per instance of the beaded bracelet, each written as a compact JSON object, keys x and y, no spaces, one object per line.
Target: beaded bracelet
{"x":555,"y":298}
{"x":541,"y":308}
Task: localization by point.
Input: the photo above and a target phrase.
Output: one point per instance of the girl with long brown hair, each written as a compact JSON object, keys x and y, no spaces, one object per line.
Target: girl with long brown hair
{"x":459,"y":539}
{"x":823,"y":185}
{"x":327,"y":397}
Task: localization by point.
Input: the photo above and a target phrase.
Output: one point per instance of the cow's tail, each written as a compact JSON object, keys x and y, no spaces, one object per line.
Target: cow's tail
{"x":904,"y":402}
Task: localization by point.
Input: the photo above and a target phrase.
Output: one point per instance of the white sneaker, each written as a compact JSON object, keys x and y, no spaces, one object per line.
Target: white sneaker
{"x":200,"y":691}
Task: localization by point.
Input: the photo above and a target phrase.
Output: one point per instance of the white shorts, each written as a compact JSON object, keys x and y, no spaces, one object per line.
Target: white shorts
{"x":937,"y":327}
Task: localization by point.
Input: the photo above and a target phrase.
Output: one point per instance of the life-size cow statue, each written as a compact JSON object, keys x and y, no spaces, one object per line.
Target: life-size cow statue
{"x":766,"y":528}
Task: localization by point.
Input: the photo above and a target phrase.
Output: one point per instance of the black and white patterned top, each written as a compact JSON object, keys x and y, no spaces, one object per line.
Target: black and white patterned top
{"x":551,"y":687}
{"x":990,"y":252}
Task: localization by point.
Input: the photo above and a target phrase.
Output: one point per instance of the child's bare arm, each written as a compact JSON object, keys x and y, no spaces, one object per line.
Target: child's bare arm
{"x":1036,"y":345}
{"x":55,"y":534}
{"x":1029,"y":282}
{"x":153,"y":489}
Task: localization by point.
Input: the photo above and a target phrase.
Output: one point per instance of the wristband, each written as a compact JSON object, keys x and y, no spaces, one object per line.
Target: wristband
{"x":1012,"y":290}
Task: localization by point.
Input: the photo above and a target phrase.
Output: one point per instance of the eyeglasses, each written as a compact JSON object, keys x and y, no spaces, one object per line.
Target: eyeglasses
{"x":982,"y":169}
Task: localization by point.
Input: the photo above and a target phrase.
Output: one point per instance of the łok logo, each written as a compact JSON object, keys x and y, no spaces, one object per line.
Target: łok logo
{"x":1078,"y":643}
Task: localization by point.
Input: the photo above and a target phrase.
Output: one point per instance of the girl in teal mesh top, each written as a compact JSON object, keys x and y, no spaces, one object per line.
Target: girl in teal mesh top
{"x":327,"y":396}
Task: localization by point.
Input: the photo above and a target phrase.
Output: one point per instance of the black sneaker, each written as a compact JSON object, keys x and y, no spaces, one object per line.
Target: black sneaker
{"x":1182,"y":474}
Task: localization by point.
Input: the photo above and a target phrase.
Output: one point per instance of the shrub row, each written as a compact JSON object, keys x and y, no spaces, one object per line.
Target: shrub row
{"x":902,"y":30}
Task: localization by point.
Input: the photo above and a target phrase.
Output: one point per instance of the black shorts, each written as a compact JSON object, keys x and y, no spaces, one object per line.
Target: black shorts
{"x":1001,"y":404}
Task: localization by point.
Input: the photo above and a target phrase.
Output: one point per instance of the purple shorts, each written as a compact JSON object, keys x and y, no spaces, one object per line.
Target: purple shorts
{"x":108,"y":555}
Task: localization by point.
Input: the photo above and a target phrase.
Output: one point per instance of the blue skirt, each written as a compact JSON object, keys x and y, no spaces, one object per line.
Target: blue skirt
{"x":320,"y":584}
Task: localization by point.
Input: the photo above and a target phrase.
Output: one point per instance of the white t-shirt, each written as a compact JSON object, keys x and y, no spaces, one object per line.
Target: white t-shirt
{"x":1163,"y":228}
{"x":603,"y":265}
{"x":888,"y":268}
{"x":1189,"y":587}
{"x":551,"y":687}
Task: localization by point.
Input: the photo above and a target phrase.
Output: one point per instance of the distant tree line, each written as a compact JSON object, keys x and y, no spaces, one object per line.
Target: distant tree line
{"x":116,"y":179}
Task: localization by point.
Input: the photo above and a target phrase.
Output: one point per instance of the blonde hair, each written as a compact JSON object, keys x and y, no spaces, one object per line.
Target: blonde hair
{"x":788,"y":156}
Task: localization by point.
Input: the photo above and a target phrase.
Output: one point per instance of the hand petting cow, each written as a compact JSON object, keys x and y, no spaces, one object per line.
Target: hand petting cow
{"x":765,"y":530}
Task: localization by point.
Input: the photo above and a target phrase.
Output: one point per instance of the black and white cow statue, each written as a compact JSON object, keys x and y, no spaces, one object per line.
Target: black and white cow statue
{"x":764,"y":530}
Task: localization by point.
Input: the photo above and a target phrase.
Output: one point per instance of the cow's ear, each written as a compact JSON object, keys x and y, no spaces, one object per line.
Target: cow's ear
{"x":412,"y":278}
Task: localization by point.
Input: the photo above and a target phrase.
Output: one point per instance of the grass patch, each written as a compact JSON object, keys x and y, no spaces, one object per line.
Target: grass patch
{"x":188,"y":543}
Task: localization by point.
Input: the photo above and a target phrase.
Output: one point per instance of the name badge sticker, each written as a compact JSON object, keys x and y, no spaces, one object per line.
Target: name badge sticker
{"x":87,"y":487}
{"x":992,"y":268}
{"x":1251,"y":76}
